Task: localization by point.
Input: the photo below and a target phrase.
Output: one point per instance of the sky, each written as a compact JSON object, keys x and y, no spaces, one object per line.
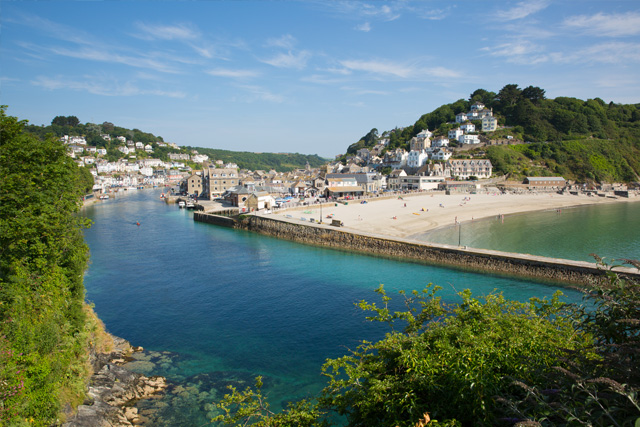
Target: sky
{"x":307,"y":76}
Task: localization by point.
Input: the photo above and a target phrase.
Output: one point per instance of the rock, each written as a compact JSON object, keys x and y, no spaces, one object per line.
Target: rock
{"x":113,"y":390}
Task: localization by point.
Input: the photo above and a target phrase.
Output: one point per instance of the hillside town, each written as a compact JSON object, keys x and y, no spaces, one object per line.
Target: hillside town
{"x":432,"y":162}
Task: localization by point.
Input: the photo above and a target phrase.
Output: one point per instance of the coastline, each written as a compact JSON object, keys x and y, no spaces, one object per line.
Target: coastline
{"x":419,"y":213}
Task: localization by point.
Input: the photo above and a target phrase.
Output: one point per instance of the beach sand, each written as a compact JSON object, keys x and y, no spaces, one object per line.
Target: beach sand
{"x":422,"y":212}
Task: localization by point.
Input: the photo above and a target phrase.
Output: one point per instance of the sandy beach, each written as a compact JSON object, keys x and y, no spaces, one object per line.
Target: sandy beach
{"x":422,"y":212}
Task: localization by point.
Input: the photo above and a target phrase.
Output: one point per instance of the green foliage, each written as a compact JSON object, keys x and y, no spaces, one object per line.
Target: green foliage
{"x":248,"y":407}
{"x":601,"y":389}
{"x":448,"y":360}
{"x":367,"y":141}
{"x":42,"y":261}
{"x":65,"y":121}
{"x":581,"y":160}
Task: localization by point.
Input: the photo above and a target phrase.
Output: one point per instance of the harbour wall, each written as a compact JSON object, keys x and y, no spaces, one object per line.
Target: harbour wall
{"x":523,"y":265}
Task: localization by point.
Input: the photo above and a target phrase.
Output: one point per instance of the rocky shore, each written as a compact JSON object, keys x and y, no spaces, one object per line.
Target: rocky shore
{"x":114,"y":390}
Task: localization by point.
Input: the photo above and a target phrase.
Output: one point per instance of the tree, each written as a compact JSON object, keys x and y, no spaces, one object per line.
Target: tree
{"x":509,"y":95}
{"x":65,"y":121}
{"x":42,"y":261}
{"x":533,"y":94}
{"x":484,"y":96}
{"x":594,"y":389}
{"x":448,"y":360}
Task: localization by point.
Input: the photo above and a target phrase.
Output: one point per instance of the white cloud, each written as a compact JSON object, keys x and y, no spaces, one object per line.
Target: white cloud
{"x":237,"y":74}
{"x":55,"y":30}
{"x":289,"y":60}
{"x":321,"y":79}
{"x":100,"y":86}
{"x":286,"y":42}
{"x":519,"y":52}
{"x":607,"y":53}
{"x":441,"y":72}
{"x":101,"y":55}
{"x":362,"y":9}
{"x":259,"y":93}
{"x":527,"y":53}
{"x":399,"y":70}
{"x":521,"y":10}
{"x":613,"y":25}
{"x":366,"y":27}
{"x":167,"y":32}
{"x":377,"y":67}
{"x":430,"y":14}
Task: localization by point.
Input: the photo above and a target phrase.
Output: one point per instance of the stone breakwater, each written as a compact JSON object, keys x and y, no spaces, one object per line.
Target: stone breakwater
{"x":531,"y":266}
{"x":113,"y":390}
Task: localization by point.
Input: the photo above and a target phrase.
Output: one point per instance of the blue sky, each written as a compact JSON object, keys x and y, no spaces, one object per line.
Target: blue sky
{"x":302,"y":76}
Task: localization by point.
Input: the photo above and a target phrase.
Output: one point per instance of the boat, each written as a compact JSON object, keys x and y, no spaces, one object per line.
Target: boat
{"x":191,"y":205}
{"x":104,"y":197}
{"x":181,"y":204}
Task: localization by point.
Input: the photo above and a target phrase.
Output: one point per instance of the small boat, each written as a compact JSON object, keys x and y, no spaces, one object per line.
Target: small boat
{"x":104,"y":197}
{"x":191,"y":205}
{"x":181,"y":204}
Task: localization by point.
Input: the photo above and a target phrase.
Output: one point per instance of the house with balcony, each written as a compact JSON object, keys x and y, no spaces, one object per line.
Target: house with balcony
{"x":465,"y":168}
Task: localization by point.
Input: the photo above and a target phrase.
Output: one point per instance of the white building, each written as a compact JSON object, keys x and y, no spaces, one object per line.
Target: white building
{"x":425,"y":133}
{"x":440,"y":141}
{"x":464,"y":168}
{"x":468,"y":127}
{"x":469,"y":139}
{"x":417,"y":158}
{"x":455,"y":133}
{"x":442,"y":154}
{"x":415,"y":182}
{"x":199,"y":158}
{"x":146,"y":171}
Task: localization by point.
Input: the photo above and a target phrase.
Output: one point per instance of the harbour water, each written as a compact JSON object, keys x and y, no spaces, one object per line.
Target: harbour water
{"x":214,"y":306}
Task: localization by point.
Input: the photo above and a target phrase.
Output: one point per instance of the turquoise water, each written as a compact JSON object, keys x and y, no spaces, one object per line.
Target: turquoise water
{"x":611,"y":231}
{"x":214,"y":306}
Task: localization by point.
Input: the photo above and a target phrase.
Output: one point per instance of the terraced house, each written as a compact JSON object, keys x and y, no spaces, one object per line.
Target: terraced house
{"x":464,"y":168}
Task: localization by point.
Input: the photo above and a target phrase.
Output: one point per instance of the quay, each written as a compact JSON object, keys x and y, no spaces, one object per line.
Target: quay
{"x":578,"y":273}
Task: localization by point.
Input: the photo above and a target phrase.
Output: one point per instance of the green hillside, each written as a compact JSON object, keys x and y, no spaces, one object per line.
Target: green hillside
{"x":281,"y":162}
{"x":70,"y":125}
{"x":582,"y":140}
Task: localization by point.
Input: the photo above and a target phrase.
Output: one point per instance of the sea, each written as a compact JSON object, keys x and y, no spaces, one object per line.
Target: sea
{"x":214,"y":307}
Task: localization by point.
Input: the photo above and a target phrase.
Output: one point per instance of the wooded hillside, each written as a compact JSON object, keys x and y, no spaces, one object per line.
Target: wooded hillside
{"x":582,"y":140}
